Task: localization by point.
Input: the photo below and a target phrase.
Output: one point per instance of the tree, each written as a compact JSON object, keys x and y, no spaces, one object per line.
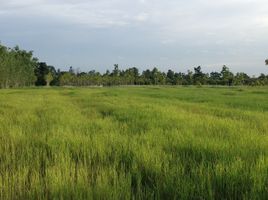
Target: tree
{"x":226,"y":76}
{"x":155,"y":76}
{"x":147,"y":77}
{"x":263,"y":79}
{"x":215,"y":78}
{"x":171,"y":77}
{"x":41,"y":71}
{"x":71,"y":70}
{"x":179,"y":79}
{"x":66,"y":78}
{"x":3,"y":66}
{"x":241,"y":79}
{"x":19,"y":68}
{"x":116,"y":70}
{"x":188,"y":78}
{"x":46,"y":75}
{"x":115,"y":75}
{"x":130,"y":76}
{"x":199,"y":76}
{"x":49,"y":78}
{"x":16,"y":67}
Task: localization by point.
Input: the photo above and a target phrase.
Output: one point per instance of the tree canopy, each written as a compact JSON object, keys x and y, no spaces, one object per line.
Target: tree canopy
{"x":19,"y":68}
{"x":16,"y":67}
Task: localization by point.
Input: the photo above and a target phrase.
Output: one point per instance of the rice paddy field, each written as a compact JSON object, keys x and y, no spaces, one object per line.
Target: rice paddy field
{"x":134,"y":143}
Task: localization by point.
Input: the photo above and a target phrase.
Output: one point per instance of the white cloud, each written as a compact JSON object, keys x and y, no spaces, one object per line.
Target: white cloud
{"x":174,"y":16}
{"x":229,"y":26}
{"x":142,"y":17}
{"x":92,"y":13}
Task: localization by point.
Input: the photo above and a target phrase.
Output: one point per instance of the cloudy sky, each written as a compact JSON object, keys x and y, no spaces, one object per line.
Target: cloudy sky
{"x":175,"y":34}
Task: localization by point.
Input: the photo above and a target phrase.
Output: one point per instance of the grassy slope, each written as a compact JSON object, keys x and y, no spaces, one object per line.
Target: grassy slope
{"x":120,"y":143}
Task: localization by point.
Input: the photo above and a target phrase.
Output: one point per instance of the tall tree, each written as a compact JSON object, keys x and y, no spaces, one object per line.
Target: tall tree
{"x":171,"y":77}
{"x":226,"y":76}
{"x":16,"y":67}
{"x":241,"y":79}
{"x":188,"y":78}
{"x":71,"y":70}
{"x":155,"y":76}
{"x":49,"y":78}
{"x":41,"y":72}
{"x":215,"y":78}
{"x":115,"y":75}
{"x":45,"y":74}
{"x":116,"y":70}
{"x":147,"y":77}
{"x":199,"y":77}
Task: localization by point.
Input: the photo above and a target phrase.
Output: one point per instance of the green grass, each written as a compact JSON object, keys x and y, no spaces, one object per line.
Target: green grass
{"x":134,"y":143}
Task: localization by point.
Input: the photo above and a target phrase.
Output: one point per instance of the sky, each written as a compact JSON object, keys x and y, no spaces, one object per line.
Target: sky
{"x":172,"y":34}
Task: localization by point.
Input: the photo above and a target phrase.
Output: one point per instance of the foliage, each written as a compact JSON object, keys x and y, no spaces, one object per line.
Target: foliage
{"x":227,"y":76}
{"x":45,"y":74}
{"x":16,"y":67}
{"x":131,"y":76}
{"x":49,"y":78}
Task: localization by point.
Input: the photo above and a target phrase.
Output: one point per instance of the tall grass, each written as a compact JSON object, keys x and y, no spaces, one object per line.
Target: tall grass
{"x":134,"y":143}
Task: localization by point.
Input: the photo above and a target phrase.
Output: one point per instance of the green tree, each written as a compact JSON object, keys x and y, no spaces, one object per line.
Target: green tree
{"x":199,"y":77}
{"x":3,"y":66}
{"x":171,"y":77}
{"x":215,"y":78}
{"x":67,"y":79}
{"x":115,"y":75}
{"x":49,"y":78}
{"x":188,"y":78}
{"x":147,"y":77}
{"x":179,"y":78}
{"x":16,"y":67}
{"x":241,"y":79}
{"x":226,"y":76}
{"x":45,"y":74}
{"x":41,"y":72}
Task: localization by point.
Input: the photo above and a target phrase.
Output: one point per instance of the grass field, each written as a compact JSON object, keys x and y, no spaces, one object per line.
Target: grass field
{"x":134,"y":143}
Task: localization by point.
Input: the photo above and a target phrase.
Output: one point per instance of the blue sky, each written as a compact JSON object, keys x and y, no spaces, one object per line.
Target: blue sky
{"x":175,"y":34}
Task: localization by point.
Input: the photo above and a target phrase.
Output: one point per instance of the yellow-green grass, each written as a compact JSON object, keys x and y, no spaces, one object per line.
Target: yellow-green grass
{"x":134,"y":143}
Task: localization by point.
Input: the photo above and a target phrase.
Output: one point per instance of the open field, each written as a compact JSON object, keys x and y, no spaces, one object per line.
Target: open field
{"x":140,"y":142}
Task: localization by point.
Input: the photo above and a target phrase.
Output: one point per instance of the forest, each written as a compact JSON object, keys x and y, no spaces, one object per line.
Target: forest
{"x":18,"y":68}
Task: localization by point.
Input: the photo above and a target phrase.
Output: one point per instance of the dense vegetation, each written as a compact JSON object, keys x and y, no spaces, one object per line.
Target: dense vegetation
{"x":19,"y":68}
{"x":16,"y":67}
{"x":132,"y":76}
{"x":138,"y":142}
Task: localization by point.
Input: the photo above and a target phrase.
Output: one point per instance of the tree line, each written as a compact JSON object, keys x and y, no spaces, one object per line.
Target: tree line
{"x":16,"y":67}
{"x":19,"y":68}
{"x":132,"y":76}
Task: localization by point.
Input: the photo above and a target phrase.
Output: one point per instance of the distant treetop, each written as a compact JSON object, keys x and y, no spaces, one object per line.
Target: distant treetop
{"x":18,"y":68}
